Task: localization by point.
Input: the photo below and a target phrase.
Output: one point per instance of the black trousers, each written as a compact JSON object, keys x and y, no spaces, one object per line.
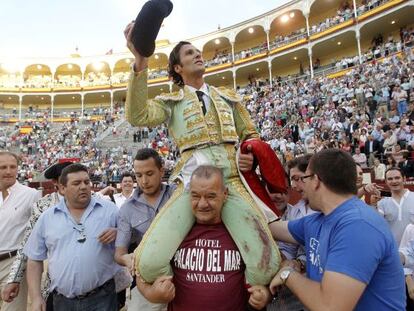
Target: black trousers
{"x":49,"y":303}
{"x":410,"y":302}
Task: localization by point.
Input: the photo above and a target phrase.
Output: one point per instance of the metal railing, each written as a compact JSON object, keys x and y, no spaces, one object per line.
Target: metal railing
{"x":287,"y":40}
{"x":333,"y":21}
{"x":370,"y":6}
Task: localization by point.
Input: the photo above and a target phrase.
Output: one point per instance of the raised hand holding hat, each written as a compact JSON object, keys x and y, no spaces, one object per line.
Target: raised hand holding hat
{"x":148,"y":24}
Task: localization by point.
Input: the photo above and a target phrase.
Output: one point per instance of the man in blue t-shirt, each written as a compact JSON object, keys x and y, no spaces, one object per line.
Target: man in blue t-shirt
{"x":352,"y":258}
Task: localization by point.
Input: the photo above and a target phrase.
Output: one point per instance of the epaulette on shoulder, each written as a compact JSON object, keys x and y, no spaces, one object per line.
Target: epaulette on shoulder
{"x":175,"y":96}
{"x":229,"y":94}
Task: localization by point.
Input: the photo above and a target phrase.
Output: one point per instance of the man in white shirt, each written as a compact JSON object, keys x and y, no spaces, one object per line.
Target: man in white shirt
{"x":401,"y":97}
{"x":127,"y":187}
{"x":398,"y":210}
{"x":390,"y":140}
{"x":379,"y":170}
{"x":16,"y":201}
{"x":18,"y":268}
{"x":360,"y":157}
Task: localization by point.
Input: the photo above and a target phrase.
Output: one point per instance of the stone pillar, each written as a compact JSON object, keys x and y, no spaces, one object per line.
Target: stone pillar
{"x":111,"y":94}
{"x":82,"y":104}
{"x":310,"y":60}
{"x":267,"y":39}
{"x":307,"y":24}
{"x":20,"y":106}
{"x":355,"y":9}
{"x":270,"y":72}
{"x":232,"y":51}
{"x":52,"y":108}
{"x":358,"y":38}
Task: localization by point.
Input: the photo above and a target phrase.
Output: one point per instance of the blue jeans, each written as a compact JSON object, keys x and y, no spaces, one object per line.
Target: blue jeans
{"x":402,"y":107}
{"x":104,"y":299}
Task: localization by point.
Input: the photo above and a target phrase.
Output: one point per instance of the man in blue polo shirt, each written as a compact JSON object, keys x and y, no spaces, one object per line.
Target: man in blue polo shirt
{"x":352,"y":257}
{"x":73,"y":236}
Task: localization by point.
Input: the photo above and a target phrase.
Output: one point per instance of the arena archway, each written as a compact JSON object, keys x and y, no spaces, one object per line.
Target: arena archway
{"x":250,"y":41}
{"x":287,"y":28}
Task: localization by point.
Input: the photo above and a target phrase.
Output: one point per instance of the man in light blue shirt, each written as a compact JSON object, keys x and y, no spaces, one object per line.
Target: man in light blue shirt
{"x":137,"y":214}
{"x":378,"y":133}
{"x":75,"y":239}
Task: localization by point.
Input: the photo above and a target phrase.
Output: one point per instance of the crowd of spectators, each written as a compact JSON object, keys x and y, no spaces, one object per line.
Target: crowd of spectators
{"x":120,"y":77}
{"x":301,"y":115}
{"x":41,"y":144}
{"x":38,"y":81}
{"x":369,"y":5}
{"x":68,"y":81}
{"x":10,"y":80}
{"x":376,"y":51}
{"x":46,"y":81}
{"x":283,"y":40}
{"x":250,"y":52}
{"x":157,"y":73}
{"x":294,"y":117}
{"x":96,"y":78}
{"x":371,"y":102}
{"x":220,"y":58}
{"x":344,"y":13}
{"x":34,"y":112}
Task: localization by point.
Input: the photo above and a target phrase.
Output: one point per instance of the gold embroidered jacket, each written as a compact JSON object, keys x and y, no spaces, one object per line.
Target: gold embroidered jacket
{"x":227,"y":120}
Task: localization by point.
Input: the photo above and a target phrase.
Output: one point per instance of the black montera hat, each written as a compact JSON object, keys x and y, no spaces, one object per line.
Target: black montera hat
{"x":55,"y":170}
{"x":148,"y":24}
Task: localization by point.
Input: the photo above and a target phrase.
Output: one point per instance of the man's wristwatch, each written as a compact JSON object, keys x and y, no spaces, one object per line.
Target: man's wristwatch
{"x":284,"y":275}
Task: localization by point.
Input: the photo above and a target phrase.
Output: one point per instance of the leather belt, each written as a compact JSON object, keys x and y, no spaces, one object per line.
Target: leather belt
{"x":90,"y":293}
{"x":8,"y":255}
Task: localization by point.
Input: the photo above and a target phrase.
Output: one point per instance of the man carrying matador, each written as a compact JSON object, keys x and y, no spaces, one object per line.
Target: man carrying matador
{"x":206,"y":123}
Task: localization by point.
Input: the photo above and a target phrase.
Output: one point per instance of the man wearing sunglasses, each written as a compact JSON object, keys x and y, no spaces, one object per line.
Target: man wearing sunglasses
{"x":352,"y":257}
{"x":294,"y":252}
{"x":74,"y":237}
